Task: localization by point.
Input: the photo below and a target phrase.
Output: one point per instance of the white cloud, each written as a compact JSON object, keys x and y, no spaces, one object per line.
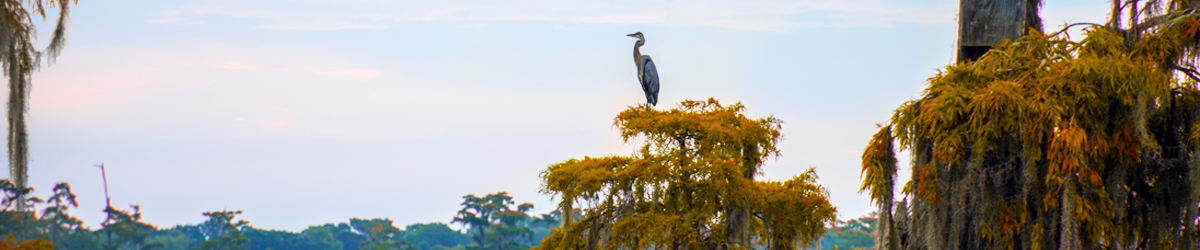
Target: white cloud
{"x":172,"y":16}
{"x":322,"y":26}
{"x":758,"y":15}
{"x":167,"y":16}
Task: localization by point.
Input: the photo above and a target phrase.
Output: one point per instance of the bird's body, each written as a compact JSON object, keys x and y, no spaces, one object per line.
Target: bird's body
{"x":647,"y":72}
{"x":648,"y":76}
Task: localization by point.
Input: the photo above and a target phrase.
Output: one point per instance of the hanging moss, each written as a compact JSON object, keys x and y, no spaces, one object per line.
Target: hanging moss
{"x":1050,"y":143}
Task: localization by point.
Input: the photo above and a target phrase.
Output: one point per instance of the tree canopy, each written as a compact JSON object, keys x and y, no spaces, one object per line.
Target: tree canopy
{"x":1046,"y":142}
{"x":222,"y":232}
{"x":691,"y":186}
{"x":492,"y":223}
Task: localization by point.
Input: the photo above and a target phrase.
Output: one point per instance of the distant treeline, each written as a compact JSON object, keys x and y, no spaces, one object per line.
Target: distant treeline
{"x":355,"y":234}
{"x":852,"y":234}
{"x":493,"y":221}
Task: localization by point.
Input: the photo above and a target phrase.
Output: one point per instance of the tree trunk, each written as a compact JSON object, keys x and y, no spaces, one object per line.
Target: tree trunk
{"x":568,"y":212}
{"x":1190,"y":236}
{"x":984,"y":23}
{"x":18,"y":145}
{"x":1069,"y":232}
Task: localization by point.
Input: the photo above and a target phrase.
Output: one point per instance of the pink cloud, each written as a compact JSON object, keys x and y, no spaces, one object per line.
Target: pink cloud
{"x":344,"y":72}
{"x":333,"y":72}
{"x":234,"y":65}
{"x":82,"y":92}
{"x":288,"y":117}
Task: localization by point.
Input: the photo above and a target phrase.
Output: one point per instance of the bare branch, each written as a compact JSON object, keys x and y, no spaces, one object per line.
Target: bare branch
{"x":1162,"y":19}
{"x":1190,"y":72}
{"x":1064,"y":29}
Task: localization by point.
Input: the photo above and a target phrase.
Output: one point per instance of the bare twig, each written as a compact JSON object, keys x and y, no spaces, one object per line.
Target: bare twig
{"x":1190,"y":72}
{"x":1162,"y":19}
{"x":1064,"y":29}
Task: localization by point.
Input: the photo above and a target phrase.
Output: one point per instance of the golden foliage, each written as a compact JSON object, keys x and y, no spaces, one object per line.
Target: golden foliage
{"x":1104,"y":121}
{"x":879,"y":165}
{"x":691,"y":185}
{"x":9,"y":243}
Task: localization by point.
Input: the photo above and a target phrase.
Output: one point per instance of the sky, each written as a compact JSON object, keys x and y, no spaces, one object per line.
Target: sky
{"x":305,"y":112}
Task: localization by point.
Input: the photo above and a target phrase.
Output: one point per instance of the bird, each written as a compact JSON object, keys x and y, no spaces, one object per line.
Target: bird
{"x":647,"y":73}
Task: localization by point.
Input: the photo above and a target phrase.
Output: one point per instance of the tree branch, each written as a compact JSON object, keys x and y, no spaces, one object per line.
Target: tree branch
{"x":1190,"y":72}
{"x":1064,"y":29}
{"x":1161,"y":19}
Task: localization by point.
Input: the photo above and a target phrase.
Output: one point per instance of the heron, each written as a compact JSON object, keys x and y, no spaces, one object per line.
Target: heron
{"x":647,"y":73}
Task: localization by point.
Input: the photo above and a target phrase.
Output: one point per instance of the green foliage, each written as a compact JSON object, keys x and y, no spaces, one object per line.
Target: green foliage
{"x":381,"y":235}
{"x":60,"y":227}
{"x":321,"y":237}
{"x":434,"y":236}
{"x":343,"y":233}
{"x":125,"y":230}
{"x":260,"y":239}
{"x":691,"y":186}
{"x":853,"y":234}
{"x":183,"y":237}
{"x":21,"y":228}
{"x":222,"y":232}
{"x":21,"y":224}
{"x":55,"y":220}
{"x":492,"y":223}
{"x":55,"y":223}
{"x":78,"y":239}
{"x":324,"y":237}
{"x":541,"y":227}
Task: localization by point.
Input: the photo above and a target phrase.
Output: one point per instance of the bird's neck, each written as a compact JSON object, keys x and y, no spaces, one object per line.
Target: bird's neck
{"x":637,"y":54}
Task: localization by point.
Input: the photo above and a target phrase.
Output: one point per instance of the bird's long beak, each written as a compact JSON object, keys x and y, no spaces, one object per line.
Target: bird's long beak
{"x":632,"y":35}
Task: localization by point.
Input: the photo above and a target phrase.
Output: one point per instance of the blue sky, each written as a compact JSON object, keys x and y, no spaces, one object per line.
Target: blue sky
{"x":306,"y":112}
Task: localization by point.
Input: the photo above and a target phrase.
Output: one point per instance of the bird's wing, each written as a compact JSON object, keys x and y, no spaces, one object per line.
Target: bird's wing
{"x":650,"y":79}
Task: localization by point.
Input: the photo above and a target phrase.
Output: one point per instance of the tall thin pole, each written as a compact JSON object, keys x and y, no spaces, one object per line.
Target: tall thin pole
{"x":107,"y":201}
{"x":104,"y":176}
